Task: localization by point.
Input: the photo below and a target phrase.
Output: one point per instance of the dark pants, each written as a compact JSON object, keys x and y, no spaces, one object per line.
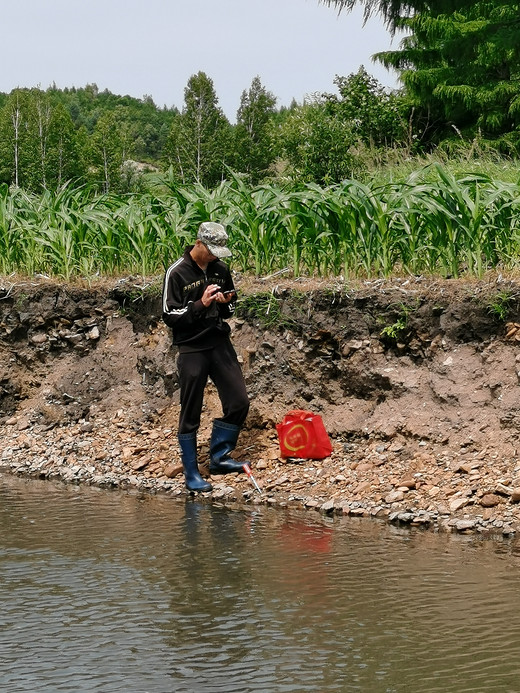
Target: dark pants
{"x":221,"y":365}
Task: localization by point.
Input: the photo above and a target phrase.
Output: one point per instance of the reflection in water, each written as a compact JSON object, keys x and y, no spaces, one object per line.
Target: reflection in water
{"x":107,"y":591}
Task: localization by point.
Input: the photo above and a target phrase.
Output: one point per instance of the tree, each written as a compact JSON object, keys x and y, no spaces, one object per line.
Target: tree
{"x":200,"y":138}
{"x":10,"y":138}
{"x":66,"y":156}
{"x":23,"y":139}
{"x":111,"y":145}
{"x":254,"y":136}
{"x":49,"y":137}
{"x":330,"y":138}
{"x":317,"y":145}
{"x":375,"y":115}
{"x":174,"y":155}
{"x":464,"y":66}
{"x":42,"y":108}
{"x":460,"y":62}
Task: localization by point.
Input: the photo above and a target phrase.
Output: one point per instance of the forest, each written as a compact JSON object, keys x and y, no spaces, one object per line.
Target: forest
{"x":452,"y":127}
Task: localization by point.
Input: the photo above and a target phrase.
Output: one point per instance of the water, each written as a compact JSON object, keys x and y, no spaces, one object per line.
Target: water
{"x":106,"y":591}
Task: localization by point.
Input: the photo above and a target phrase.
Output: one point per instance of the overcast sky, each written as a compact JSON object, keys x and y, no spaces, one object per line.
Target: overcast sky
{"x":153,"y":47}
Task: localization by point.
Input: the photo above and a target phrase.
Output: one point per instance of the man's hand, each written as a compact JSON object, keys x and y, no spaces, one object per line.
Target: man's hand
{"x":225,"y":296}
{"x":213,"y":293}
{"x":210,"y":294}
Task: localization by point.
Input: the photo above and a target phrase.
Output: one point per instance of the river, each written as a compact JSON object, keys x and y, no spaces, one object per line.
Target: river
{"x":112,"y":591}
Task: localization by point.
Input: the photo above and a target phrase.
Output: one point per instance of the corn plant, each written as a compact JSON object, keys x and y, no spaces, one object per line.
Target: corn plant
{"x":431,"y":222}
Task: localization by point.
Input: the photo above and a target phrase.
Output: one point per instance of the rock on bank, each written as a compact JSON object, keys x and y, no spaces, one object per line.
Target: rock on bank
{"x":417,"y":382}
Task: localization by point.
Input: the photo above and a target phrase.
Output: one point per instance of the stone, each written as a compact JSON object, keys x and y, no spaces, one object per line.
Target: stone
{"x":394,"y":497}
{"x":457,"y":504}
{"x":93,"y":334}
{"x":172,"y":470}
{"x":327,"y":507}
{"x":38,"y":338}
{"x":407,"y":483}
{"x":489,"y":500}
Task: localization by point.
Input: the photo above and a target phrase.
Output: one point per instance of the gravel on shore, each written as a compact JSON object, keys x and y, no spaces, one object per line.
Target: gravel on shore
{"x":463,"y":492}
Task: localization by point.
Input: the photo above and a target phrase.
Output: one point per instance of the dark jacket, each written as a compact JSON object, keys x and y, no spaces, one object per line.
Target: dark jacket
{"x":195,"y":327}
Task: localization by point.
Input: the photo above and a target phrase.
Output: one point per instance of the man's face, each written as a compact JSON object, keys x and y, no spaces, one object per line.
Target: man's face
{"x":209,"y":254}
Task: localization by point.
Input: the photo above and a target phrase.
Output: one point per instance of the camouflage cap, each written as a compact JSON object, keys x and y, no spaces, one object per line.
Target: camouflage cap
{"x":214,"y":237}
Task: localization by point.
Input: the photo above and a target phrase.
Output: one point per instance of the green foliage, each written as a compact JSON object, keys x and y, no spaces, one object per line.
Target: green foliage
{"x":433,"y":221}
{"x":321,"y":140}
{"x":265,"y":309}
{"x":199,"y":138}
{"x":317,"y":145}
{"x":49,"y":138}
{"x":500,"y":304}
{"x":254,"y":134}
{"x":118,"y":144}
{"x":262,"y":307}
{"x":397,"y":330}
{"x":375,"y":115}
{"x":460,"y":63}
{"x":110,"y":146}
{"x":112,"y":142}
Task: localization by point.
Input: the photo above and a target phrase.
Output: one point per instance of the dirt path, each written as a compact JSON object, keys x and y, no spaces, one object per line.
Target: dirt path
{"x":416,"y":381}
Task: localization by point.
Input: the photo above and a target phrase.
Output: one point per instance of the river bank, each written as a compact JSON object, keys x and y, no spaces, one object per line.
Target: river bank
{"x":416,"y":381}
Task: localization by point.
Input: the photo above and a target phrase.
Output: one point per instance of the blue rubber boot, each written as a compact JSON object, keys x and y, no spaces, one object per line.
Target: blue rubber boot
{"x":223,"y":440}
{"x":192,"y":477}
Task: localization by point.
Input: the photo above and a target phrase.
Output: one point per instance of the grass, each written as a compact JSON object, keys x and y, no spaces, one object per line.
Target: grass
{"x":502,"y":303}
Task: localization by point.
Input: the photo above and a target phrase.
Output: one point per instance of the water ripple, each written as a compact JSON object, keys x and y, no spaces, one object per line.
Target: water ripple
{"x":110,"y":592}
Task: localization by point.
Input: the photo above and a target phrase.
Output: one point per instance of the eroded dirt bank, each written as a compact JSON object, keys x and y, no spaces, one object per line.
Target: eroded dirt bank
{"x":417,"y":382}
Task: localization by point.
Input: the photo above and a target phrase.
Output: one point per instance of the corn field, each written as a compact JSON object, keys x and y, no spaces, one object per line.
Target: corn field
{"x":449,"y":227}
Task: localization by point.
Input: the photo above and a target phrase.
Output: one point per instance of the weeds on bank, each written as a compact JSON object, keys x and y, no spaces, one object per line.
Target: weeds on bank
{"x":265,"y":309}
{"x":501,"y":304}
{"x":397,"y":330}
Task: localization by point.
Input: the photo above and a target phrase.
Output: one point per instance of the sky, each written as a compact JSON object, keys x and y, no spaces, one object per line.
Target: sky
{"x":153,"y":47}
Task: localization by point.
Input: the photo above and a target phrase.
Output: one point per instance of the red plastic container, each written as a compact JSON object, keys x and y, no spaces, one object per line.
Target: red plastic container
{"x":302,"y":434}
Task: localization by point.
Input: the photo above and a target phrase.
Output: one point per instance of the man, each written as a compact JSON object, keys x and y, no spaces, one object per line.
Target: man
{"x":198,"y":295}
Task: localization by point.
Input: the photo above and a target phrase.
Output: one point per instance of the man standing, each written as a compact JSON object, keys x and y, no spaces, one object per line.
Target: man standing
{"x":198,"y":295}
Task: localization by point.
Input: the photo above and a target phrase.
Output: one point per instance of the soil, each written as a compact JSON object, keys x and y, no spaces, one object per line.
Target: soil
{"x":415,"y":379}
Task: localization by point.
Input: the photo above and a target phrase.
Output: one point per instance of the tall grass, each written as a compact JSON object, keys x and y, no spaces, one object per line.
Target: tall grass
{"x":431,"y":221}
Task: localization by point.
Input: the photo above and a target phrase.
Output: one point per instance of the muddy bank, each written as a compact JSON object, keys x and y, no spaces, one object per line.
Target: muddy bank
{"x":417,"y":382}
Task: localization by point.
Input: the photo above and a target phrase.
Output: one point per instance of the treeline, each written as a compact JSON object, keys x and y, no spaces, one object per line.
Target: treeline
{"x":50,"y":137}
{"x":111,"y":143}
{"x":459,"y":65}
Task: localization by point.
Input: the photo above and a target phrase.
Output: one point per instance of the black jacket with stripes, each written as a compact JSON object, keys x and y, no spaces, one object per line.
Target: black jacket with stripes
{"x":195,"y":327}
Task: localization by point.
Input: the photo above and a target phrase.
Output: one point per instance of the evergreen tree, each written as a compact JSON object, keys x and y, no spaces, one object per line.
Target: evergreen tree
{"x":464,"y":66}
{"x":460,"y":63}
